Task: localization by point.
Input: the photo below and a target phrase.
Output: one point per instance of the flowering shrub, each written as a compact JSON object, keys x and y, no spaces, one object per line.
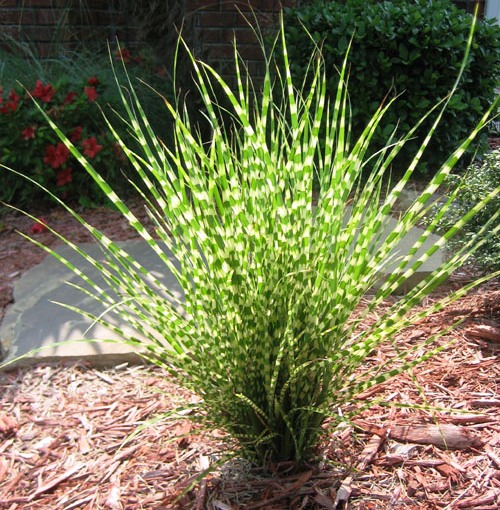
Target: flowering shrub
{"x":28,"y":144}
{"x":72,"y":95}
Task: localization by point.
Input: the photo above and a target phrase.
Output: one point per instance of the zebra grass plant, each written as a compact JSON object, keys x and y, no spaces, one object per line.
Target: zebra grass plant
{"x":273,"y":271}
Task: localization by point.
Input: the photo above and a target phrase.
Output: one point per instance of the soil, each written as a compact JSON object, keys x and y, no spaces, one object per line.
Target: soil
{"x":64,"y":428}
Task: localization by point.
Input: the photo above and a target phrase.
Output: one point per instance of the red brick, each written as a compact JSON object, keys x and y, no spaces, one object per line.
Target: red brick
{"x":101,"y":18}
{"x":250,"y":51}
{"x":194,"y":5}
{"x":10,"y":31}
{"x":13,"y":17}
{"x":44,"y":3}
{"x":210,"y":35}
{"x":216,"y":19}
{"x":246,"y":18}
{"x":288,"y":3}
{"x":220,"y":52}
{"x":97,"y":4}
{"x":252,"y":6}
{"x":256,"y":68}
{"x":236,"y":5}
{"x":265,"y":5}
{"x":36,"y":33}
{"x":49,"y":16}
{"x":243,"y":36}
{"x":263,"y":18}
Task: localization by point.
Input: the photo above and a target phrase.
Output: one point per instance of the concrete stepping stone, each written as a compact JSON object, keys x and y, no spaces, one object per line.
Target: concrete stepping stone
{"x":34,"y":322}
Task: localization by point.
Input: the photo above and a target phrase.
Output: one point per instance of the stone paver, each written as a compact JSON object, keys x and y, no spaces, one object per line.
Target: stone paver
{"x":34,"y":321}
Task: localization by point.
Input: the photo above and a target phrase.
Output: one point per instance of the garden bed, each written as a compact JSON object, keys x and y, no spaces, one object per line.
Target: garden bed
{"x":62,"y":426}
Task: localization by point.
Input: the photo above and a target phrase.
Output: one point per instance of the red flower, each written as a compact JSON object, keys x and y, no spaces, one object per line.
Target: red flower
{"x":64,"y":177}
{"x":93,"y":81}
{"x":12,"y":103}
{"x":76,"y":134}
{"x":39,"y":227}
{"x":43,"y":92}
{"x":91,"y":147}
{"x":56,"y":155}
{"x":123,"y":54}
{"x":91,"y":93}
{"x":70,"y":98}
{"x":28,"y":132}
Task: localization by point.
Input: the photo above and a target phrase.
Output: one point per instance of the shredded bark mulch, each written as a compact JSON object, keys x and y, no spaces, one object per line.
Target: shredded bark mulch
{"x":72,"y":436}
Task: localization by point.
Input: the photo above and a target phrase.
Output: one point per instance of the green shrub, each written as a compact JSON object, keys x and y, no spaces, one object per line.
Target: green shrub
{"x":411,"y":48}
{"x":71,"y":91}
{"x":469,"y":188}
{"x":269,"y":332}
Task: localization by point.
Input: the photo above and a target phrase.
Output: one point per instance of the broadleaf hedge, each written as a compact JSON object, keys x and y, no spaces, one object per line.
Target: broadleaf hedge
{"x":409,"y":48}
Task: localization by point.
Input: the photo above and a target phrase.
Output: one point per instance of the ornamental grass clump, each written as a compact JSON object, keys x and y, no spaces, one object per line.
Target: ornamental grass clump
{"x":273,"y":272}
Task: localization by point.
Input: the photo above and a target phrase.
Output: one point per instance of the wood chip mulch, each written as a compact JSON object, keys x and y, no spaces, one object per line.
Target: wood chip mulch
{"x":63,"y":428}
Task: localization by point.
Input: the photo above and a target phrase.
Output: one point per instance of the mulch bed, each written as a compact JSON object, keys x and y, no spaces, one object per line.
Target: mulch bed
{"x":63,"y":428}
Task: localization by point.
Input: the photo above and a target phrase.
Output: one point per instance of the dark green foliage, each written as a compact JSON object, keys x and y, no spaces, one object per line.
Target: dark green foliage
{"x":411,"y":48}
{"x":478,"y":182}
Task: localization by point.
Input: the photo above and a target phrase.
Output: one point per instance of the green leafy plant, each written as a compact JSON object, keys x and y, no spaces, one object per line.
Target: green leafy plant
{"x":469,"y":188}
{"x":267,"y":332}
{"x":30,"y":145}
{"x":412,"y":49}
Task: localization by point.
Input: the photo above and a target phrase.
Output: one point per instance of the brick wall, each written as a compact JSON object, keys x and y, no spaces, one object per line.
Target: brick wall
{"x":218,"y":23}
{"x":47,"y":24}
{"x":213,"y":23}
